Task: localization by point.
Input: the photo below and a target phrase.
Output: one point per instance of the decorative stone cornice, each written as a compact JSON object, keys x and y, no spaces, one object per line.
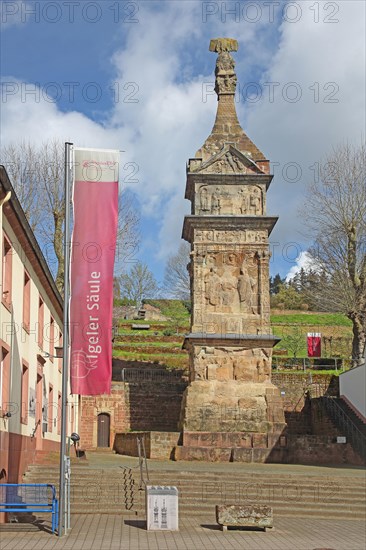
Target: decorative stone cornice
{"x":229,"y":179}
{"x":227,"y":223}
{"x":248,"y":341}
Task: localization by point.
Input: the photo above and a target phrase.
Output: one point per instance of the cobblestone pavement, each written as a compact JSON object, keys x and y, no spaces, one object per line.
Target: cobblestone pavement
{"x":112,"y":532}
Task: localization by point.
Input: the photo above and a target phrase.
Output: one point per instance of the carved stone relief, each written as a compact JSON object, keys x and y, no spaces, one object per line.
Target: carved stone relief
{"x":227,"y":164}
{"x":227,"y":363}
{"x":228,"y":285}
{"x":229,"y":200}
{"x":226,"y":84}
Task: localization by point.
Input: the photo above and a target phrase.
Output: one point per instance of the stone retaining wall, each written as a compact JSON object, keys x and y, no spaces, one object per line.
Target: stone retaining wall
{"x":155,"y":406}
{"x":158,"y":445}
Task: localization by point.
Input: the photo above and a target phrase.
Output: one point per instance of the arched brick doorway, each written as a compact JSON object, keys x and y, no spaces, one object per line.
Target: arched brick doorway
{"x":104,"y":423}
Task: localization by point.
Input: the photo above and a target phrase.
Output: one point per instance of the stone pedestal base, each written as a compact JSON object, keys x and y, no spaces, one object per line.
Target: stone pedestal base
{"x":232,"y":406}
{"x":229,"y":420}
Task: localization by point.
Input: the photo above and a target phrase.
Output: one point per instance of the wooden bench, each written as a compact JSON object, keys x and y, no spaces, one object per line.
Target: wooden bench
{"x":29,"y":497}
{"x":236,"y":515}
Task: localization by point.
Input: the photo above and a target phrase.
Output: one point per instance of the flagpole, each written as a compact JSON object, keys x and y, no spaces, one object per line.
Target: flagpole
{"x":65,"y":360}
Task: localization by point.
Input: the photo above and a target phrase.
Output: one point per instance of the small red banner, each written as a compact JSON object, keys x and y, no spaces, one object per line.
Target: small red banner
{"x":314,"y":344}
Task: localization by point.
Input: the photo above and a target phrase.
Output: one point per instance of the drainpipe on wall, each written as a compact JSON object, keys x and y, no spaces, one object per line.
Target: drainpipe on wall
{"x":2,"y":202}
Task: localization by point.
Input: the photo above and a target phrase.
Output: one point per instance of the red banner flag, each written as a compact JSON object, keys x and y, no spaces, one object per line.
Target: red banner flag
{"x":95,"y":201}
{"x":314,"y":344}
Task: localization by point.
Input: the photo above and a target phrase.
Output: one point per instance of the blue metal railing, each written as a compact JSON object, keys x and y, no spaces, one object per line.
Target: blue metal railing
{"x":29,"y":497}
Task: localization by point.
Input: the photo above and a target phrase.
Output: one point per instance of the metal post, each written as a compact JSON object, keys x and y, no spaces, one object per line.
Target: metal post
{"x":65,"y":360}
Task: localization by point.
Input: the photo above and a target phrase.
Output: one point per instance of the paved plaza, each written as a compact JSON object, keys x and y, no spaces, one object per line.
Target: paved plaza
{"x":128,"y":532}
{"x":102,"y":532}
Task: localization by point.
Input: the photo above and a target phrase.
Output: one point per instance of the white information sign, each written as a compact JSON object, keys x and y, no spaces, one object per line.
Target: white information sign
{"x":162,"y":508}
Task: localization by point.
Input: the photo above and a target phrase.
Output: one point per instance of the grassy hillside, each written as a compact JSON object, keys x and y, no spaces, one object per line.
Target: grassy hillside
{"x":162,"y":343}
{"x":314,"y":319}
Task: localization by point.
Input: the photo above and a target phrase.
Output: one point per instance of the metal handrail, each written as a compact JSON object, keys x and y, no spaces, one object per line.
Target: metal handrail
{"x":151,"y":375}
{"x":35,"y":428}
{"x":142,"y":460}
{"x":343,"y":421}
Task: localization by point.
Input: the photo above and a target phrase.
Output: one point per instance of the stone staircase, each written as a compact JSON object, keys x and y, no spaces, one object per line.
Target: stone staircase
{"x":117,"y":490}
{"x":346,"y":420}
{"x":353,"y":415}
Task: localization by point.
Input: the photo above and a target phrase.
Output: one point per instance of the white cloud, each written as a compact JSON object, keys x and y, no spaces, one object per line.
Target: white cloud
{"x":303,"y":261}
{"x":325,"y":61}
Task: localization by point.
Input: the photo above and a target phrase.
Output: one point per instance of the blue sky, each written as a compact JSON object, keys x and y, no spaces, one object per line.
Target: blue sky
{"x":137,"y":76}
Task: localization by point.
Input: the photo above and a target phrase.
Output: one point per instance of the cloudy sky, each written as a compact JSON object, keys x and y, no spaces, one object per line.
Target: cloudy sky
{"x":138,"y":76}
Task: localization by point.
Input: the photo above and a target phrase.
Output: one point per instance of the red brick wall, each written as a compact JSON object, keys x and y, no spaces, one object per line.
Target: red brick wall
{"x":143,"y":406}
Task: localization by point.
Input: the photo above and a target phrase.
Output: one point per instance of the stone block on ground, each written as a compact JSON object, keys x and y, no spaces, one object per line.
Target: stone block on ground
{"x":237,"y":515}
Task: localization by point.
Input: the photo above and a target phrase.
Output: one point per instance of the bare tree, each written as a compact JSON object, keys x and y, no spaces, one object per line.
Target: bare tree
{"x":335,"y":212}
{"x":37,"y":174}
{"x":128,"y":234}
{"x":176,"y":276}
{"x":21,"y":163}
{"x":139,"y":283}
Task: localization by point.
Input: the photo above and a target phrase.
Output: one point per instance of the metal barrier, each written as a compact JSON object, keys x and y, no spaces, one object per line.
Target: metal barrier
{"x":151,"y":375}
{"x":305,"y":363}
{"x":29,"y":497}
{"x":346,"y":424}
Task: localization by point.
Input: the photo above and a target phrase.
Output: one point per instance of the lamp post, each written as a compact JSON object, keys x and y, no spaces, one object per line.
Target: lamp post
{"x":62,"y":519}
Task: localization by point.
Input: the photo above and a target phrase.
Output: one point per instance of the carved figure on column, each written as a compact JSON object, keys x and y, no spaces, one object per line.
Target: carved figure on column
{"x":243,"y":202}
{"x":255,"y":201}
{"x":245,"y":289}
{"x":229,"y":291}
{"x":213,"y":287}
{"x":204,"y":200}
{"x":216,"y":203}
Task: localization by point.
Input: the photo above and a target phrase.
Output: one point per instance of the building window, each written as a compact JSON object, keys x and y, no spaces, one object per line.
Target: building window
{"x":4,"y":378}
{"x":50,"y":408}
{"x":24,"y":395}
{"x":40,"y":322}
{"x":7,"y":271}
{"x":26,"y":301}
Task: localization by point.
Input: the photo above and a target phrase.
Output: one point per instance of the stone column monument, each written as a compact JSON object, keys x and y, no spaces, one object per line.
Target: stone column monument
{"x":230,"y":406}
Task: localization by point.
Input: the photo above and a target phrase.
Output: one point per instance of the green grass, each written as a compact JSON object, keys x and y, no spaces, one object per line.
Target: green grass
{"x":320,"y":319}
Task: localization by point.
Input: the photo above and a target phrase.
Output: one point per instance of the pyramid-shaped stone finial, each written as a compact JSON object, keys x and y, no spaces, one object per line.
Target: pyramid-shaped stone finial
{"x":227,"y":128}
